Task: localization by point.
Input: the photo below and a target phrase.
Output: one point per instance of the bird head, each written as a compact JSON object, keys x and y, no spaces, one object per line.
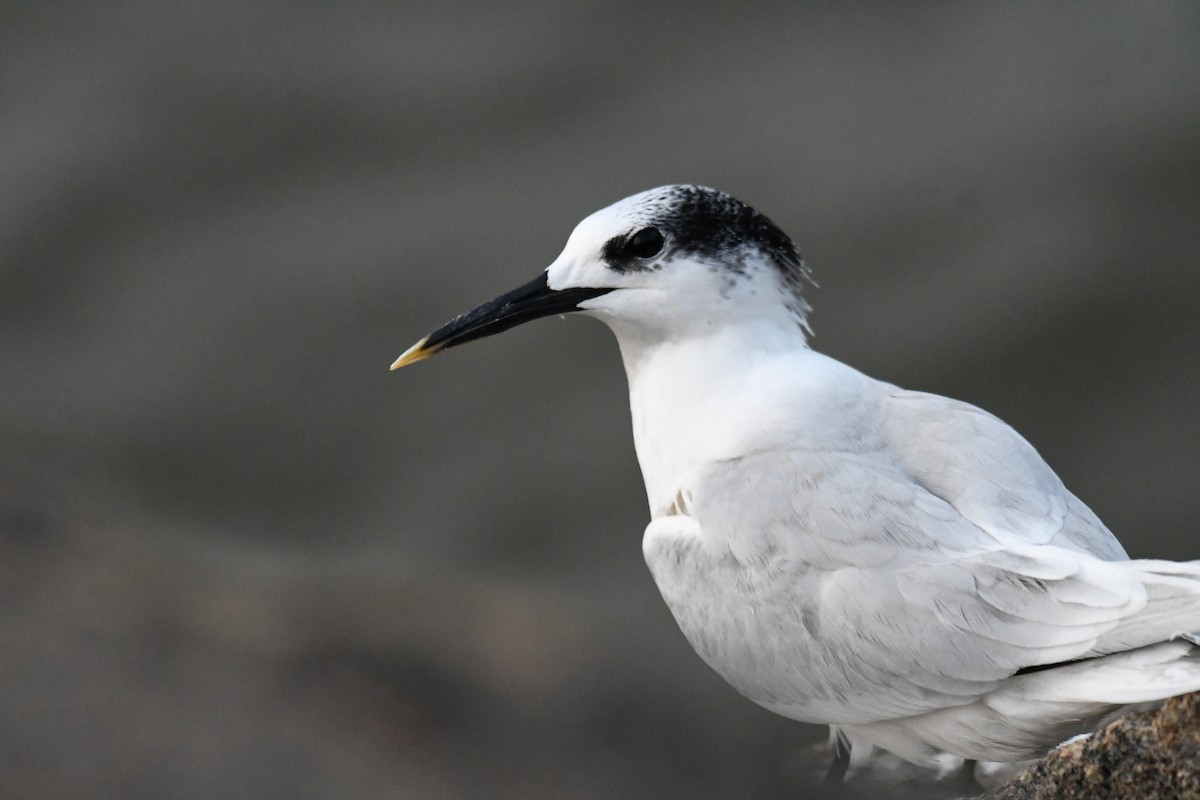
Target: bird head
{"x":667,"y":263}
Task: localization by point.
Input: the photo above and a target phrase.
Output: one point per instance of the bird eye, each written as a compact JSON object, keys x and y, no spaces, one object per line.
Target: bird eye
{"x":645,"y":243}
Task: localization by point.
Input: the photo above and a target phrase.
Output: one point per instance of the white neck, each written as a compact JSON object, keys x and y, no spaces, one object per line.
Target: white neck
{"x":709,"y":396}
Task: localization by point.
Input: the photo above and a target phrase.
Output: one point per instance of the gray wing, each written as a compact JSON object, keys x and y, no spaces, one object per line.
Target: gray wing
{"x":933,"y":562}
{"x":989,"y":474}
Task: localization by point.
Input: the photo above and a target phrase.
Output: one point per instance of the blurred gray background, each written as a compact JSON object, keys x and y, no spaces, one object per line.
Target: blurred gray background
{"x":239,"y":558}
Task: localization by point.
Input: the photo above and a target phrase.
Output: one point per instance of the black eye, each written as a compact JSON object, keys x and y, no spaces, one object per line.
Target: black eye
{"x":645,"y":243}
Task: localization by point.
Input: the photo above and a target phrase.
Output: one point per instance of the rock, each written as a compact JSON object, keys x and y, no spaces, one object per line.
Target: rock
{"x":1147,"y":755}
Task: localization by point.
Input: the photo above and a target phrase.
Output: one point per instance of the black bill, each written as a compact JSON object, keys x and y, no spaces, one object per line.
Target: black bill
{"x":531,"y":301}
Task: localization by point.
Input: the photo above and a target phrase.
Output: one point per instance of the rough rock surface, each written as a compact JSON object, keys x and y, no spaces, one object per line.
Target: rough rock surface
{"x":1147,"y":755}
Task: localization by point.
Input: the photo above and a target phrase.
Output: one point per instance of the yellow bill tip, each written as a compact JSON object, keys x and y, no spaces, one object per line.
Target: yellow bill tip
{"x":412,"y":355}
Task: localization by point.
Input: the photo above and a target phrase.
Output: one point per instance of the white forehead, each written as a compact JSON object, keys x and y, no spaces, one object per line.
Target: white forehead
{"x":644,"y":204}
{"x":621,"y":217}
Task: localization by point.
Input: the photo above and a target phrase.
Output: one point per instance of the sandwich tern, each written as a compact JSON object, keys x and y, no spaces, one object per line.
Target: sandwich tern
{"x":900,"y":566}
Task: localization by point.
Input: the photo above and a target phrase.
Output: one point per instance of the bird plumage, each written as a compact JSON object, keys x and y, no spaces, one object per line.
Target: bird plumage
{"x":899,"y":565}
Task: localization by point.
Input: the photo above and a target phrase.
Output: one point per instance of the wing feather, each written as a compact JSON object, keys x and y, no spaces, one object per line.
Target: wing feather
{"x":946,"y":555}
{"x":990,"y":474}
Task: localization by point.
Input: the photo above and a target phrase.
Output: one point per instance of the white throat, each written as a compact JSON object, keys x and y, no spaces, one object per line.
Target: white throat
{"x":705,"y":398}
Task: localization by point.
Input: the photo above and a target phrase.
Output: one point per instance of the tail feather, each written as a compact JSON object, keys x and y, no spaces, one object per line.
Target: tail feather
{"x":1028,"y":714}
{"x":1172,"y":608}
{"x":1148,"y":673}
{"x":1150,"y":655}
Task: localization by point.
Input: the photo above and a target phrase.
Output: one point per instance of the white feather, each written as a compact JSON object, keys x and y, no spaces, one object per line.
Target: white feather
{"x":843,"y":551}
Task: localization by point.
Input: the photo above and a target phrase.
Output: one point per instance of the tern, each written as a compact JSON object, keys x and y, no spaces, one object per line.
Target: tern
{"x":898,"y":565}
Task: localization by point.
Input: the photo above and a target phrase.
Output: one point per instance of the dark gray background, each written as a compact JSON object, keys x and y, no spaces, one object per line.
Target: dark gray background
{"x":239,"y":558}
